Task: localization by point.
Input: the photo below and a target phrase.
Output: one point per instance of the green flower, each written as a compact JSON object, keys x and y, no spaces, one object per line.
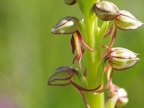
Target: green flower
{"x":126,"y":21}
{"x":62,"y":76}
{"x":106,"y":10}
{"x":66,"y":25}
{"x":122,"y":58}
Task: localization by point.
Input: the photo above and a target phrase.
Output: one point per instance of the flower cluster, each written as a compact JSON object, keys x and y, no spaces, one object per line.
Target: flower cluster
{"x":116,"y":58}
{"x":123,"y":19}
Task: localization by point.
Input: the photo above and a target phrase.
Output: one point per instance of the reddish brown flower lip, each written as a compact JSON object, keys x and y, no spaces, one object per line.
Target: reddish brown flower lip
{"x":78,"y":44}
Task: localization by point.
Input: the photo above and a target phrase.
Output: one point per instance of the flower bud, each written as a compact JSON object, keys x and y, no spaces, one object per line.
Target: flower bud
{"x":70,"y":2}
{"x":62,"y":76}
{"x":106,"y":10}
{"x":66,"y":25}
{"x":126,"y":21}
{"x":118,"y":96}
{"x":121,"y":58}
{"x":123,"y":99}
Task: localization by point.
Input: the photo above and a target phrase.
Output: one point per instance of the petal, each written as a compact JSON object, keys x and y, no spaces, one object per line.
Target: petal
{"x":62,"y":76}
{"x":126,"y":21}
{"x":66,"y":25}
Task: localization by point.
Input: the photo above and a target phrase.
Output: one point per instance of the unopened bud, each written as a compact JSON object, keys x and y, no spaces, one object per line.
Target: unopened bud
{"x":70,"y":2}
{"x":121,"y":58}
{"x":106,"y":10}
{"x":123,"y":99}
{"x":66,"y":25}
{"x":62,"y":76}
{"x":118,"y":96}
{"x":126,"y":21}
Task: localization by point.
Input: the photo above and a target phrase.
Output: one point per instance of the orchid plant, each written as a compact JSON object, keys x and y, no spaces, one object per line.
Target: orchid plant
{"x":101,"y":60}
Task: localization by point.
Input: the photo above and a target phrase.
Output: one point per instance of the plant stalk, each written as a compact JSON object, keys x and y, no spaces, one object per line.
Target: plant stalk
{"x":93,"y":59}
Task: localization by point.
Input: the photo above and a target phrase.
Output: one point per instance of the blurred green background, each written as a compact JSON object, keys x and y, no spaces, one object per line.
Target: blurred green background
{"x":29,"y":53}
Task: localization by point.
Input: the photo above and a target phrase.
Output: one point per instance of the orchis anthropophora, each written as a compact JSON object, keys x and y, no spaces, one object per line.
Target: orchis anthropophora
{"x":88,"y":34}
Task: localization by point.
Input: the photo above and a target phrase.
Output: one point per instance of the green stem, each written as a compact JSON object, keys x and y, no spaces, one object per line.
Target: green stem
{"x":93,"y":39}
{"x":110,"y":103}
{"x":93,"y":62}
